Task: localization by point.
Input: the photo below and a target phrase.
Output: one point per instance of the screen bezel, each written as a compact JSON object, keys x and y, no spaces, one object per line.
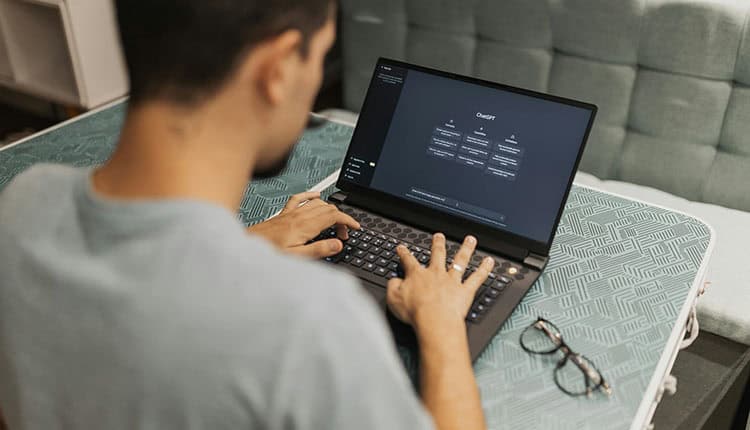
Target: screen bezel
{"x":453,"y":225}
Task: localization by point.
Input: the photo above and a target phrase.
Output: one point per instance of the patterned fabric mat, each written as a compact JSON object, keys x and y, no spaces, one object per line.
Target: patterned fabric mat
{"x":619,"y":275}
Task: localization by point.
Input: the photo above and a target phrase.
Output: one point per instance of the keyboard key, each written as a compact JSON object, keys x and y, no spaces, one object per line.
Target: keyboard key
{"x":347,"y":258}
{"x":360,"y":253}
{"x":393,"y":265}
{"x":353,"y":242}
{"x":364,"y":245}
{"x":355,"y":233}
{"x":505,"y":280}
{"x":480,"y":308}
{"x":333,"y":258}
{"x":393,"y":241}
{"x":376,"y":250}
{"x":473,"y":317}
{"x":389,"y":246}
{"x":377,"y":242}
{"x":380,"y":271}
{"x":382,"y":237}
{"x":357,"y":262}
{"x":493,"y":293}
{"x":387,"y":255}
{"x":366,"y":238}
{"x":391,"y":275}
{"x":423,"y":259}
{"x":371,"y":258}
{"x":382,"y":262}
{"x":348,"y":248}
{"x":486,"y":300}
{"x":369,"y":267}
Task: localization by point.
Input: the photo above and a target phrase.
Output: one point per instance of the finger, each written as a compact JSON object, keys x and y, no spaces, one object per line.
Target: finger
{"x":408,"y":262}
{"x":329,"y":215}
{"x":297,"y":199}
{"x":463,"y":256}
{"x":320,"y":249}
{"x":342,"y":232}
{"x":395,"y":299}
{"x":477,"y":278}
{"x":437,"y":259}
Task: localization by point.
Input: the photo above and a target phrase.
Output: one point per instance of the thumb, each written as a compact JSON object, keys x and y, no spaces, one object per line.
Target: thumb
{"x":395,"y":300}
{"x":320,"y":249}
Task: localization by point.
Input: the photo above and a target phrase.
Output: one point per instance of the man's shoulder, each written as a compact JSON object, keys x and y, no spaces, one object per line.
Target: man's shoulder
{"x":38,"y":181}
{"x":40,"y":176}
{"x":38,"y":193}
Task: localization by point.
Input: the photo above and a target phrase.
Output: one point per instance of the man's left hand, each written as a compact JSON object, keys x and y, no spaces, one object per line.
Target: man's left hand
{"x":302,"y":219}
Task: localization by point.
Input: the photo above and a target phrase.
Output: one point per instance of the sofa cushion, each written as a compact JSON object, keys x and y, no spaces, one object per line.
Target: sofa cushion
{"x":603,"y":29}
{"x":723,"y":310}
{"x":693,"y":38}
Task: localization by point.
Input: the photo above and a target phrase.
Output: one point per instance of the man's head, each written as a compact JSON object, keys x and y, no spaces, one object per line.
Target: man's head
{"x":261,"y":57}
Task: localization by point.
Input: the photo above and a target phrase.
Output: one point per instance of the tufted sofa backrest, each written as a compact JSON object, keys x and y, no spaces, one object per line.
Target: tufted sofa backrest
{"x":671,"y":77}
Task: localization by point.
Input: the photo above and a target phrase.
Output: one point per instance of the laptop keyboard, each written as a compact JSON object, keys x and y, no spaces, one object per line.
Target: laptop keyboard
{"x":371,"y":254}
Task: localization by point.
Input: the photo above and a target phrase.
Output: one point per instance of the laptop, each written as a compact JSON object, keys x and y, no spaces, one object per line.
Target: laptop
{"x":438,"y":152}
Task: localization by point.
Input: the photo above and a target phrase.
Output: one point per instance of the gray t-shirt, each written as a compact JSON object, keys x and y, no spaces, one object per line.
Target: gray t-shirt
{"x":167,"y":315}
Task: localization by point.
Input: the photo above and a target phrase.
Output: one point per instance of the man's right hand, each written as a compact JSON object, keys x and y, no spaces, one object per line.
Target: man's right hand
{"x":435,"y":302}
{"x":430,"y":297}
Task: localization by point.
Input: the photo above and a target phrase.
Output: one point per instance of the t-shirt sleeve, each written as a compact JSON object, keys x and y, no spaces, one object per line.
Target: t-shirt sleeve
{"x":341,"y":371}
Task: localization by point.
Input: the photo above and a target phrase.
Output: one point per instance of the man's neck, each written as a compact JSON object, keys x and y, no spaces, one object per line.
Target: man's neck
{"x":168,"y":153}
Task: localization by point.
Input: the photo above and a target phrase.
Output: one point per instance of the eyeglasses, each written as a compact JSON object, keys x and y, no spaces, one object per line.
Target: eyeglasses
{"x":574,"y":374}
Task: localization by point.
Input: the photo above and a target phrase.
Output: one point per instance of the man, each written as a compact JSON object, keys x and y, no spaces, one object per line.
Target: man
{"x":131,"y":298}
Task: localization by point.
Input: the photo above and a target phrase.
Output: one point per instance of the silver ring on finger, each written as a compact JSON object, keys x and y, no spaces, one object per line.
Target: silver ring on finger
{"x":458,"y":268}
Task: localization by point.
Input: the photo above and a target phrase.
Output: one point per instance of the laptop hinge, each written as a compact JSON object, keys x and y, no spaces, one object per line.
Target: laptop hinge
{"x":536,"y":261}
{"x":337,"y":198}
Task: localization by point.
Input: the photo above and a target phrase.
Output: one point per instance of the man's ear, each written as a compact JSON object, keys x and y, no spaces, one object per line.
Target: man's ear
{"x":273,"y":66}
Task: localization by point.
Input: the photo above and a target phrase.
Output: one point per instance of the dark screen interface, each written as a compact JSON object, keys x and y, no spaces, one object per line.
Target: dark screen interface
{"x":491,"y":156}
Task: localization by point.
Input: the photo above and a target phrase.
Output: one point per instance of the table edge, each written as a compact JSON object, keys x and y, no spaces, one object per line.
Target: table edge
{"x":66,"y":123}
{"x":644,"y":412}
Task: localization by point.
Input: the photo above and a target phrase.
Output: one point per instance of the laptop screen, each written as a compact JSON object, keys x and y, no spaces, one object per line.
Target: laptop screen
{"x":470,"y":149}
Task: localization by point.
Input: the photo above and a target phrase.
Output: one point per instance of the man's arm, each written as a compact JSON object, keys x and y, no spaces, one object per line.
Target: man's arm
{"x":449,"y":389}
{"x":435,"y":302}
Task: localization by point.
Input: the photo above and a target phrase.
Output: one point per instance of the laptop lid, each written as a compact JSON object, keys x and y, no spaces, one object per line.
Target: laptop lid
{"x":466,"y":156}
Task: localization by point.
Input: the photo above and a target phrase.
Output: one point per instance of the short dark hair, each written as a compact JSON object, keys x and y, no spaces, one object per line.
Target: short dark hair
{"x":184,"y":50}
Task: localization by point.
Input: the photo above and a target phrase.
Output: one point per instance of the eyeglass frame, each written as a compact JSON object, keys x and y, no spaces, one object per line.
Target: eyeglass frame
{"x":568,"y":354}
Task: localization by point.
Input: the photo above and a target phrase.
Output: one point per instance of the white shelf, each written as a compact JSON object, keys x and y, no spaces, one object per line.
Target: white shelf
{"x":64,"y":51}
